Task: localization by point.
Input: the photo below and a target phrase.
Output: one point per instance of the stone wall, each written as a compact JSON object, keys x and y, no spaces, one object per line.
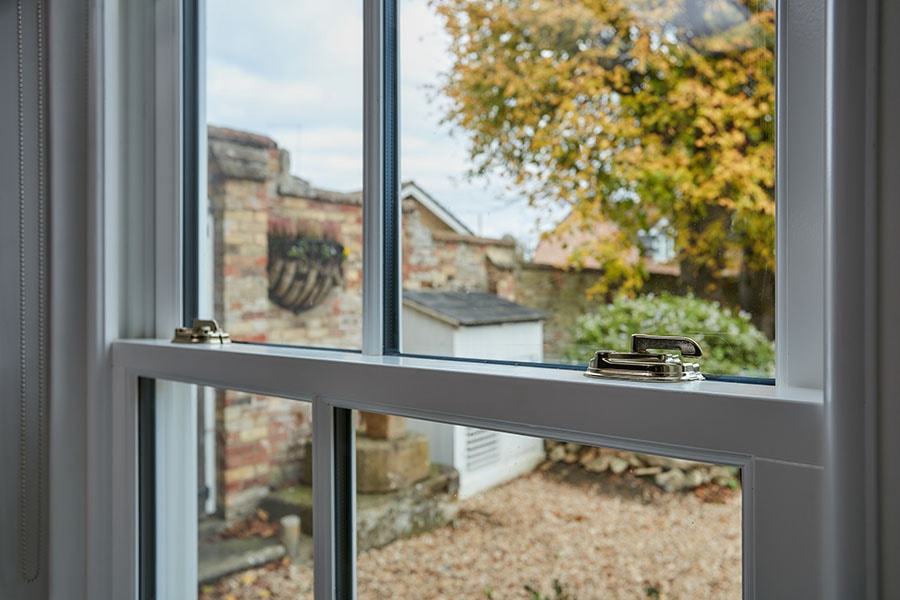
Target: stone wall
{"x":438,"y":258}
{"x":671,"y":474}
{"x":565,"y":295}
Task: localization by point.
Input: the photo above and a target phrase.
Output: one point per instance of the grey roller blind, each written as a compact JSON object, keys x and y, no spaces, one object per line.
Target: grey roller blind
{"x":24,"y":301}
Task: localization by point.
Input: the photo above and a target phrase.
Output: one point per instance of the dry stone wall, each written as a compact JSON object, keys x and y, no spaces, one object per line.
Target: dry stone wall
{"x":671,"y":474}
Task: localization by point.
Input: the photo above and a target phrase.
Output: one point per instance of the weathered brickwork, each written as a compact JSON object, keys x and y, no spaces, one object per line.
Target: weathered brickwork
{"x":259,"y":446}
{"x":446,"y":260}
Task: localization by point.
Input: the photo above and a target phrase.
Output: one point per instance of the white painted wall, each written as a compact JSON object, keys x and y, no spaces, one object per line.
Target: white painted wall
{"x":503,"y":341}
{"x":422,"y":334}
{"x":515,"y":454}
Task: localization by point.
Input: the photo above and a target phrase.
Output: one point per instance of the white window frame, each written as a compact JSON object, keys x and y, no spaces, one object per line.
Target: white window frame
{"x":775,"y":434}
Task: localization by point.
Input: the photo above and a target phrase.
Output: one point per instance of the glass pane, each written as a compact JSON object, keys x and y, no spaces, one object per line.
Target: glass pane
{"x":284,"y":107}
{"x":579,"y":171}
{"x":454,"y":512}
{"x":255,"y":500}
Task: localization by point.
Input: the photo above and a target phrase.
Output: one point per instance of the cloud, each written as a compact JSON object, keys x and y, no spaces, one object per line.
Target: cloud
{"x":235,"y":94}
{"x":294,"y":71}
{"x":324,"y":155}
{"x":423,"y":43}
{"x":280,"y":38}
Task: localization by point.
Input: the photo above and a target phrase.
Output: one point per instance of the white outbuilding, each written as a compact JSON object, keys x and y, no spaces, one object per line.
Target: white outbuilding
{"x":480,"y":326}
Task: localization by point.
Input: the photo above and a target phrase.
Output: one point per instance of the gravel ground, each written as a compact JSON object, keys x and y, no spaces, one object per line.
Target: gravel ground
{"x":600,"y":536}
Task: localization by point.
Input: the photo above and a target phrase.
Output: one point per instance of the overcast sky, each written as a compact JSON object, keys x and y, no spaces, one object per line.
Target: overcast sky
{"x":293,"y":71}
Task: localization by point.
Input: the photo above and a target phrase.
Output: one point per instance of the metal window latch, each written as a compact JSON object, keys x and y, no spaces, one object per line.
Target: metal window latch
{"x":204,"y":331}
{"x":642,"y":365}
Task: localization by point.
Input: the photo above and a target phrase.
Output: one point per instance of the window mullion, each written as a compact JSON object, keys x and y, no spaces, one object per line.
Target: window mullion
{"x":175,"y":414}
{"x":344,"y":504}
{"x":373,"y":272}
{"x":194,"y":146}
{"x":169,"y":166}
{"x":381,"y":208}
{"x":334,"y":513}
{"x":391,"y":165}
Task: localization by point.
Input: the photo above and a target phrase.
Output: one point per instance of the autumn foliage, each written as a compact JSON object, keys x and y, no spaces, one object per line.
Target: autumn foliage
{"x":628,"y":111}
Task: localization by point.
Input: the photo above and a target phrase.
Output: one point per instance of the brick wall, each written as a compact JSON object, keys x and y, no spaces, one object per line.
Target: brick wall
{"x":446,"y":260}
{"x":259,"y":446}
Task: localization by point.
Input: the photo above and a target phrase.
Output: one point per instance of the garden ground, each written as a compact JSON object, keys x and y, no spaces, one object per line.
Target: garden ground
{"x":601,"y":536}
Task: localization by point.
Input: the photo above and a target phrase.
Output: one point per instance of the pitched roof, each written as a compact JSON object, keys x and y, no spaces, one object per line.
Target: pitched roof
{"x":471,"y":308}
{"x":410,"y":189}
{"x":556,"y":247}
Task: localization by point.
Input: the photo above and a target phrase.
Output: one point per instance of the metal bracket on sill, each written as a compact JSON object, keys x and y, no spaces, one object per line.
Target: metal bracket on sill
{"x":204,"y":331}
{"x":642,"y":365}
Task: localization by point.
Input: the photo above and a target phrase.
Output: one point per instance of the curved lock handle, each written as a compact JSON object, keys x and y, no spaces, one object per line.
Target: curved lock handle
{"x":685,"y":345}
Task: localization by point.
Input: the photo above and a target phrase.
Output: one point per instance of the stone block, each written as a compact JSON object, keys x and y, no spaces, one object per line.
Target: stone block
{"x":382,"y":465}
{"x":243,"y":473}
{"x":652,"y":460}
{"x":673,"y":480}
{"x":384,"y":427}
{"x":236,"y":504}
{"x":382,"y":518}
{"x":618,"y":465}
{"x":388,"y":465}
{"x":223,"y":557}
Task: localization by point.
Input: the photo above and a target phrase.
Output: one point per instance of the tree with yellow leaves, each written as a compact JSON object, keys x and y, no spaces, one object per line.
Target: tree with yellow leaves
{"x":629,"y":111}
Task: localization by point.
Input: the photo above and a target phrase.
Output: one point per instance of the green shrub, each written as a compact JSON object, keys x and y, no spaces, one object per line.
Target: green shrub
{"x":731,"y":344}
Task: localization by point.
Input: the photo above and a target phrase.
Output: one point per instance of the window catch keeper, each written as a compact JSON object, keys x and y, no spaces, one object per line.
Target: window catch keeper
{"x":643,"y":365}
{"x":204,"y":331}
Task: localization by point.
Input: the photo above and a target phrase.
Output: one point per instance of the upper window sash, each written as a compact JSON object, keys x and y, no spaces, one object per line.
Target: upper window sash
{"x":800,"y":119}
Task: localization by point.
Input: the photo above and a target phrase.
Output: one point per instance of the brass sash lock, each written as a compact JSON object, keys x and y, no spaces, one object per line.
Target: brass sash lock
{"x":204,"y":331}
{"x":642,"y":365}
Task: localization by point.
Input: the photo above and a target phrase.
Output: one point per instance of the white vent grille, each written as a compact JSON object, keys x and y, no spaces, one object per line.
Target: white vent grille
{"x":482,"y":448}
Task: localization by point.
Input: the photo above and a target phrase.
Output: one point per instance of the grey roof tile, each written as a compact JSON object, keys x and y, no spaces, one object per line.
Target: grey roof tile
{"x":471,"y":308}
